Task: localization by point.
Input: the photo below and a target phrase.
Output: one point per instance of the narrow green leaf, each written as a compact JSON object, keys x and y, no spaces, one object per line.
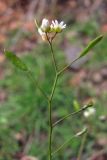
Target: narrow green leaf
{"x":16,"y":60}
{"x":90,"y":46}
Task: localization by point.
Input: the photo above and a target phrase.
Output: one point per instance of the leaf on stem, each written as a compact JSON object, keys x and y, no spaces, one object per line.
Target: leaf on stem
{"x":91,"y":45}
{"x":16,"y":60}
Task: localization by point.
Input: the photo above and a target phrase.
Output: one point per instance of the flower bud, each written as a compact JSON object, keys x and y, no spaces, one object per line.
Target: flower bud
{"x":45,"y":27}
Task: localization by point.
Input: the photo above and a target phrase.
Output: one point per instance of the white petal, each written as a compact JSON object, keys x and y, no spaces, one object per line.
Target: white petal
{"x":53,"y":22}
{"x":64,"y":26}
{"x":52,"y":26}
{"x":45,"y":24}
{"x":56,"y":22}
{"x":61,"y":23}
{"x":58,"y":26}
{"x":45,"y":20}
{"x":41,"y":32}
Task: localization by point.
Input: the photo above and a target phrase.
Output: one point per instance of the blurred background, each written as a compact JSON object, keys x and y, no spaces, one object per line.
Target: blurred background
{"x":23,"y":110}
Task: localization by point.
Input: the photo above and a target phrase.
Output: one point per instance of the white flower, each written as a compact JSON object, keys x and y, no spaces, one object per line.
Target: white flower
{"x":45,"y":26}
{"x":43,"y":34}
{"x":45,"y":29}
{"x":89,"y":112}
{"x":57,"y":27}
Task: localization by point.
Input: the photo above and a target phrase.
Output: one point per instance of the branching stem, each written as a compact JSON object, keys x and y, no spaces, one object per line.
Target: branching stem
{"x":50,"y":99}
{"x":51,"y":96}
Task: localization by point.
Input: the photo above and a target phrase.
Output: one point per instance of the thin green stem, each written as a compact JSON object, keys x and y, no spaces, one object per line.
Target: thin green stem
{"x":51,"y":97}
{"x":52,"y":53}
{"x":29,"y":73}
{"x":66,"y":67}
{"x":54,"y":86}
{"x":72,"y":114}
{"x":53,"y":37}
{"x":53,"y":57}
{"x":50,"y":117}
{"x":82,"y":145}
{"x":50,"y":131}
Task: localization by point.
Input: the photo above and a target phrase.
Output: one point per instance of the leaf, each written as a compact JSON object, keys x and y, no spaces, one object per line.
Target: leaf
{"x":16,"y":60}
{"x":90,"y":46}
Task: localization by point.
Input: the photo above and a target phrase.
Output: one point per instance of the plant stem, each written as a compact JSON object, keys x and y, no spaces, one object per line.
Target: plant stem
{"x":53,"y":57}
{"x":51,"y":97}
{"x":52,"y":52}
{"x":53,"y":88}
{"x":50,"y":117}
{"x":50,"y":130}
{"x":72,"y":114}
{"x":66,"y":67}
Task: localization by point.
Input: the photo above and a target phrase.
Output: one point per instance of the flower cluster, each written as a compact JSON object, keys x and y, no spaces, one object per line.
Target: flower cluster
{"x":46,"y":27}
